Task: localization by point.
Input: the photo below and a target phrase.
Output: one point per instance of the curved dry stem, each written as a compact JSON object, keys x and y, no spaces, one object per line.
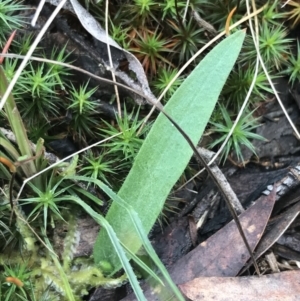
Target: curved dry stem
{"x":239,"y":114}
{"x":259,"y":59}
{"x":255,"y":38}
{"x":37,"y":12}
{"x":270,"y":80}
{"x":185,"y":10}
{"x":283,"y":5}
{"x":39,"y":59}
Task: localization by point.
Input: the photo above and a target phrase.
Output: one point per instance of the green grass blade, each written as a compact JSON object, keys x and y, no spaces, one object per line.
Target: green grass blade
{"x":138,"y":227}
{"x":87,"y":194}
{"x":165,"y":153}
{"x":7,"y":145}
{"x":116,"y":245}
{"x":68,"y":289}
{"x":136,"y":221}
{"x":142,"y":265}
{"x":151,"y":252}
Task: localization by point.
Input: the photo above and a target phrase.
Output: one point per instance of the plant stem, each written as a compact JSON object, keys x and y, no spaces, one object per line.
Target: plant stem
{"x":17,"y":126}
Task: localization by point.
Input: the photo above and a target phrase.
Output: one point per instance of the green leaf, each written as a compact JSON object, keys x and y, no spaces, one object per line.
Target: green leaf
{"x":116,"y":245}
{"x":165,"y":153}
{"x":138,"y":227}
{"x":17,"y":126}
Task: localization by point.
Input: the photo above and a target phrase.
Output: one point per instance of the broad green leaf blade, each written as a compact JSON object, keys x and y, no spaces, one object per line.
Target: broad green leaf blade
{"x":165,"y":153}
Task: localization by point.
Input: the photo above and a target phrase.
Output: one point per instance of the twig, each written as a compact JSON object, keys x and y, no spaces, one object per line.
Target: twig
{"x":207,"y":155}
{"x":204,"y":24}
{"x":110,"y":61}
{"x":185,"y":10}
{"x":269,"y":78}
{"x":285,"y":3}
{"x":37,"y":12}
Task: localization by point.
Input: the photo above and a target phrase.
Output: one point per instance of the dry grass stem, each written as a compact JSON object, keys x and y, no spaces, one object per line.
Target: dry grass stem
{"x":111,"y":62}
{"x":204,"y":24}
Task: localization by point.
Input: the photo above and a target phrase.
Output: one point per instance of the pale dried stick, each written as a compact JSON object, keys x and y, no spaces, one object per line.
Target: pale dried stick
{"x":285,"y":3}
{"x":110,"y":60}
{"x":255,"y":38}
{"x":272,"y":85}
{"x":185,"y":10}
{"x":206,"y":154}
{"x":37,"y":12}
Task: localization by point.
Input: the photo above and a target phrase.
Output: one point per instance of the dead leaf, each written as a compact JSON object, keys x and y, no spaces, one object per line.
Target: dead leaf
{"x":193,"y":230}
{"x":278,"y":228}
{"x":94,"y":28}
{"x":224,"y":253}
{"x":286,"y":252}
{"x":284,"y":286}
{"x":276,"y":231}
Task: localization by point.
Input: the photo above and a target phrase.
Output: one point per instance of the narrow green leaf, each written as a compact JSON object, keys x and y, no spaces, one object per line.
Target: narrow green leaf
{"x":135,"y":219}
{"x":165,"y":153}
{"x":7,"y":145}
{"x":116,"y":245}
{"x":68,"y":289}
{"x":18,"y":128}
{"x":142,"y":265}
{"x":144,"y":239}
